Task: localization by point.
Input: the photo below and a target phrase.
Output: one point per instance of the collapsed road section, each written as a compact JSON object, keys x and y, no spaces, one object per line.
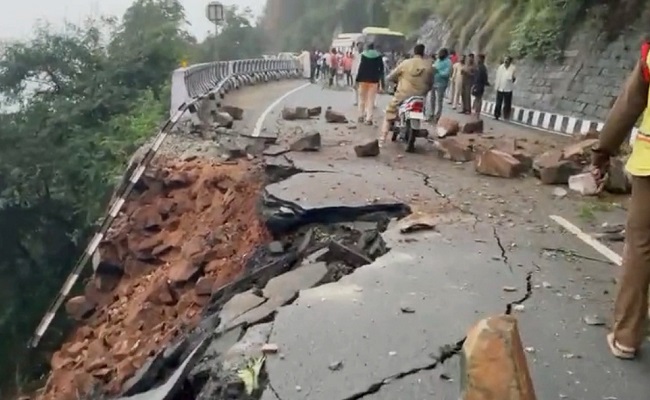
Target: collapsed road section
{"x":193,"y":270}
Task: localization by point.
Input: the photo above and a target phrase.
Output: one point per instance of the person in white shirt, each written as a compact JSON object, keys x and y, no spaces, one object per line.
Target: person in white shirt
{"x":504,"y":84}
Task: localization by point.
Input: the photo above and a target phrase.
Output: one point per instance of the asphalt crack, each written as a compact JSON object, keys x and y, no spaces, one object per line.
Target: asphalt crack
{"x":504,"y":252}
{"x":446,"y":351}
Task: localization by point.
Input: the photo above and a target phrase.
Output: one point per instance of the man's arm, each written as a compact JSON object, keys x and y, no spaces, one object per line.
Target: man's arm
{"x":627,"y":109}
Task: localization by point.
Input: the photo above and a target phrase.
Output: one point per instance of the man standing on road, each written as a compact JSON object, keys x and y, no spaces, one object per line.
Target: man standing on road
{"x":414,"y":77}
{"x":480,"y":83}
{"x":441,"y":74}
{"x":505,"y":83}
{"x":631,"y":306}
{"x":468,"y":72}
{"x":457,"y":82}
{"x":371,"y":71}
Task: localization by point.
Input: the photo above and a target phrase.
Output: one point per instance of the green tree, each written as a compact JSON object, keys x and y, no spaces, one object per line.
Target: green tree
{"x":236,"y":39}
{"x":82,"y":100}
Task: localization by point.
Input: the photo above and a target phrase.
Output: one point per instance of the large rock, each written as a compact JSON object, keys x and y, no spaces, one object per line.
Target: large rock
{"x":315,"y":111}
{"x":80,"y":307}
{"x":473,"y":126}
{"x":493,"y":362}
{"x":223,"y":119}
{"x":311,"y":141}
{"x":585,"y":184}
{"x":447,"y":127}
{"x":335,"y":117}
{"x":454,"y":149}
{"x":619,"y":181}
{"x":498,"y":163}
{"x":579,"y":152}
{"x":552,"y":169}
{"x":108,"y":267}
{"x":295,"y":113}
{"x":236,"y":113}
{"x":368,"y":149}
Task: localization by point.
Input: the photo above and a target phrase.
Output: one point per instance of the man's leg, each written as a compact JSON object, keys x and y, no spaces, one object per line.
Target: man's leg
{"x":498,"y":105}
{"x":631,"y":307}
{"x":456,"y":95}
{"x":478,"y":104}
{"x":451,"y":91}
{"x":439,"y":102}
{"x":370,"y":102}
{"x":507,"y":105}
{"x":363,"y":99}
{"x":356,"y":92}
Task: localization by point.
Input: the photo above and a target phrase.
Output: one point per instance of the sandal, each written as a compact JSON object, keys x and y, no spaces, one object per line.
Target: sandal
{"x":618,"y":350}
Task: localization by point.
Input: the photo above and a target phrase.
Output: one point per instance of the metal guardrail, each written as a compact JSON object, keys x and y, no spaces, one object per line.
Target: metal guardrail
{"x":203,"y":82}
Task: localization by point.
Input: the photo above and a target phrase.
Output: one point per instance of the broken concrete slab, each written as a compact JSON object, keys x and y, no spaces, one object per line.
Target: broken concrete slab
{"x":358,"y":313}
{"x":498,"y":163}
{"x":248,"y":347}
{"x":223,"y":119}
{"x":238,"y":305}
{"x":288,"y":284}
{"x":552,"y":169}
{"x":315,"y":111}
{"x":367,"y":149}
{"x":322,"y":197}
{"x":311,"y":141}
{"x":585,"y":184}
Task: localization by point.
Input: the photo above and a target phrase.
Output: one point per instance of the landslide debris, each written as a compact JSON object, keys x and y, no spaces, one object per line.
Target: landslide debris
{"x":183,"y":235}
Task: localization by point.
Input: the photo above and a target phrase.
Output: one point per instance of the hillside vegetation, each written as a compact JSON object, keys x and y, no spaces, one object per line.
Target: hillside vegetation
{"x":524,"y":28}
{"x":75,"y":104}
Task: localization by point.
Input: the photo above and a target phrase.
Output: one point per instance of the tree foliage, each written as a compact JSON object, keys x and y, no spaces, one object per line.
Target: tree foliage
{"x":78,"y":102}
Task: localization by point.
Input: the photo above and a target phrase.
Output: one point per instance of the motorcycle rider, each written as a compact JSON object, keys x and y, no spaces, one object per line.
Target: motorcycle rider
{"x":414,"y":77}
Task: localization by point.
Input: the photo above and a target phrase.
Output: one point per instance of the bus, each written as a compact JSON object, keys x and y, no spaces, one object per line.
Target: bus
{"x":385,"y":40}
{"x":344,"y":42}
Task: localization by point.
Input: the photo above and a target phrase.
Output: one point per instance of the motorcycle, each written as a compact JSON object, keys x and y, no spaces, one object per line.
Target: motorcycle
{"x":408,"y":126}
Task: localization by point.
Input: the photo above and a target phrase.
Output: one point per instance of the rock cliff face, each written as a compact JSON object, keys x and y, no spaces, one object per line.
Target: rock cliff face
{"x":584,"y":84}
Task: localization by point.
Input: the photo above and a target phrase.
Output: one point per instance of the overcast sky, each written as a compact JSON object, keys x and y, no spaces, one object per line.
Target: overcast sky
{"x":19,"y":16}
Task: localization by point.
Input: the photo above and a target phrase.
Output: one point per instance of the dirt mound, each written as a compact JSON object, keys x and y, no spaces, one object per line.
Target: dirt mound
{"x":182,"y":236}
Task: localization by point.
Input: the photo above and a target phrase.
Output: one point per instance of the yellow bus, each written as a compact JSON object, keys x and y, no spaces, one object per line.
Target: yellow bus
{"x":385,"y":40}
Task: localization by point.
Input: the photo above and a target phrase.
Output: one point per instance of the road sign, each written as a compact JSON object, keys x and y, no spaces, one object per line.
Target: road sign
{"x":214,"y":12}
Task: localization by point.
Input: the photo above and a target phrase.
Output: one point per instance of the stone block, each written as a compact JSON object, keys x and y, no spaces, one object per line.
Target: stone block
{"x":473,"y":126}
{"x":367,"y":149}
{"x":493,"y":362}
{"x":447,"y":127}
{"x":498,"y":163}
{"x":454,"y":149}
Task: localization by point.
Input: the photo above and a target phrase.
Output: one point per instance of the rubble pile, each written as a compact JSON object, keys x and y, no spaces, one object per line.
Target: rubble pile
{"x":508,"y":157}
{"x":184,"y":235}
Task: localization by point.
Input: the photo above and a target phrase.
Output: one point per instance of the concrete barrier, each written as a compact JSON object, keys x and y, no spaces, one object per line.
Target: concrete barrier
{"x":493,"y":362}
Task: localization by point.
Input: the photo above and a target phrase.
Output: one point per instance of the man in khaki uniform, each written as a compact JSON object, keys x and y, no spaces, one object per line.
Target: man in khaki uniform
{"x":414,"y":77}
{"x":631,"y":307}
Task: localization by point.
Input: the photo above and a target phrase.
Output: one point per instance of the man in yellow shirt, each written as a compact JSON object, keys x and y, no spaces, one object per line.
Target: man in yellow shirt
{"x":631,"y":307}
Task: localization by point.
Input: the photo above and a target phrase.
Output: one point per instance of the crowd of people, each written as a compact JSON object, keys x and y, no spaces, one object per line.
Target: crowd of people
{"x":462,"y":79}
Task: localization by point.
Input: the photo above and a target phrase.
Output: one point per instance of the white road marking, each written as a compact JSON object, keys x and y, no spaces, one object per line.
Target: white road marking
{"x":259,"y":125}
{"x":594,"y":243}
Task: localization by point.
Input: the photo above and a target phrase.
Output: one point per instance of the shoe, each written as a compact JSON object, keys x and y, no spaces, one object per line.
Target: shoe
{"x":361,"y":120}
{"x":618,"y":350}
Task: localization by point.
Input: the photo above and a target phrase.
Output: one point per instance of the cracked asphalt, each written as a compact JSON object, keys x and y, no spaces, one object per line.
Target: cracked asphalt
{"x":494,"y":247}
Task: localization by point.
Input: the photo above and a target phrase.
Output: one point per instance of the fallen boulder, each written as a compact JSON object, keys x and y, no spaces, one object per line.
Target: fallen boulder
{"x":311,"y":141}
{"x":368,"y":149}
{"x":223,"y":119}
{"x":236,"y":113}
{"x":552,"y":169}
{"x":473,"y":126}
{"x":579,"y":152}
{"x":585,"y":184}
{"x":494,"y":363}
{"x":447,"y":127}
{"x":335,"y":117}
{"x":454,"y":149}
{"x":294,"y":113}
{"x":498,"y":163}
{"x":618,"y":181}
{"x":315,"y":111}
